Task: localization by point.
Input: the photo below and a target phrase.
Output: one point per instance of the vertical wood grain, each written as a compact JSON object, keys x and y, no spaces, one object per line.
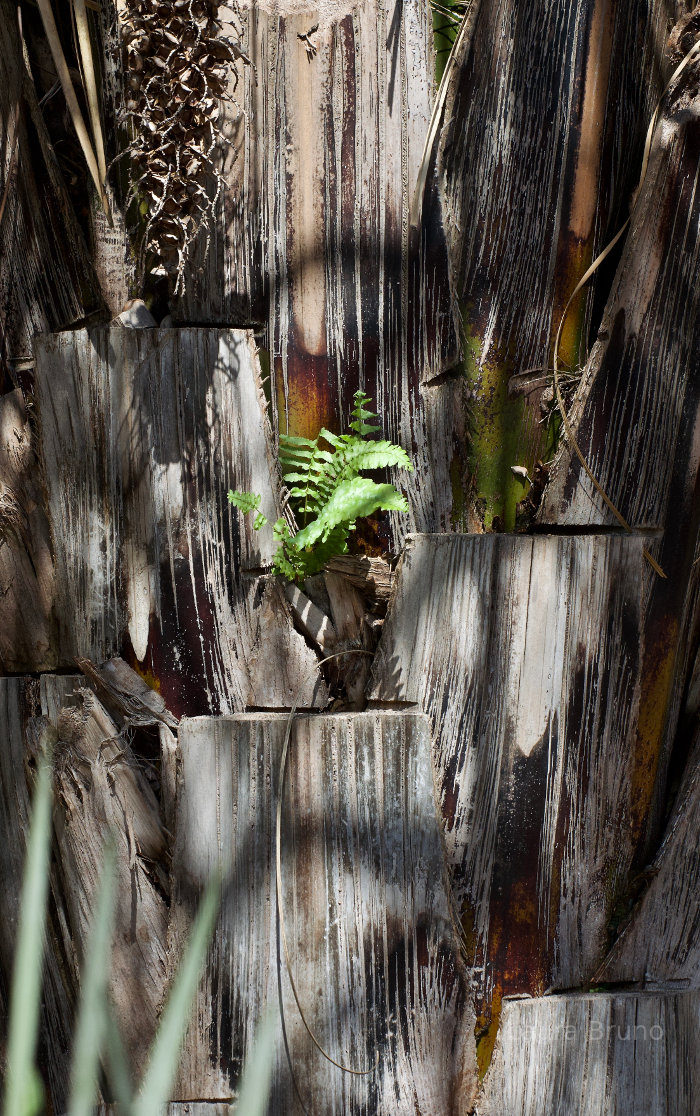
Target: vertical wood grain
{"x":524,"y":652}
{"x":142,"y":434}
{"x":314,"y":243}
{"x":539,"y":154}
{"x":636,"y":418}
{"x":27,"y":629}
{"x":47,"y":280}
{"x":603,"y":1055}
{"x":660,"y":943}
{"x":366,"y":911}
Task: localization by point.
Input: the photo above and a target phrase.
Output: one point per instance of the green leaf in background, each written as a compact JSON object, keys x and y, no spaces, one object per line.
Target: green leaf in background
{"x":246,"y":501}
{"x":23,"y":1088}
{"x":92,"y":1013}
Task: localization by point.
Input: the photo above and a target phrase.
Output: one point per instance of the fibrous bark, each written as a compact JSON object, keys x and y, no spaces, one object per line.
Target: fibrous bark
{"x":367,"y":914}
{"x":315,"y":245}
{"x":27,"y":628}
{"x":544,"y":127}
{"x":143,"y":431}
{"x":635,"y":419}
{"x":524,"y":653}
{"x":47,"y":280}
{"x":605,"y":1054}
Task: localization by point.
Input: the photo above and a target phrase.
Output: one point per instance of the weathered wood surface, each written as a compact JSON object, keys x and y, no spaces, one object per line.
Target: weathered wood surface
{"x":605,"y":1054}
{"x":47,"y":280}
{"x":99,"y":789}
{"x":635,"y":418}
{"x":126,"y":695}
{"x":540,"y":151}
{"x":524,"y":652}
{"x":314,"y":241}
{"x":661,"y":942}
{"x":19,"y":703}
{"x":27,"y":630}
{"x":142,"y":434}
{"x":179,"y":1108}
{"x":372,"y":944}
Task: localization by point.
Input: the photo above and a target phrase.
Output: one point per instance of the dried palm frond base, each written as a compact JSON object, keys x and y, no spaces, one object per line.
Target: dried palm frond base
{"x":180,"y":67}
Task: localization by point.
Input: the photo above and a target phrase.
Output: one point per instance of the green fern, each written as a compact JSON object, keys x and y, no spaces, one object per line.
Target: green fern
{"x":327,"y":492}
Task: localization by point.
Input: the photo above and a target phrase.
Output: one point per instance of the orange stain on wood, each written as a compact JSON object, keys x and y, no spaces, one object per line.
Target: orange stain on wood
{"x":657,"y":677}
{"x":584,"y":202}
{"x":486,"y":1029}
{"x":148,"y":676}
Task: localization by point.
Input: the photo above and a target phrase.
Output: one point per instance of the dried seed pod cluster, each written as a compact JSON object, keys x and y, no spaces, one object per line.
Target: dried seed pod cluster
{"x":179,"y":67}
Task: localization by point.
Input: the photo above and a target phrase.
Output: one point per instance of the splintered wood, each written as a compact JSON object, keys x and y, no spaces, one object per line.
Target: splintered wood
{"x":602,"y":1055}
{"x":142,"y":434}
{"x":524,"y":652}
{"x":99,"y":789}
{"x":635,"y":418}
{"x":372,"y":944}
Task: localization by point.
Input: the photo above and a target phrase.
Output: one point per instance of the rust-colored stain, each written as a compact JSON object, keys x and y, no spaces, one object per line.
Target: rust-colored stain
{"x":657,"y":683}
{"x":486,"y":1029}
{"x":575,"y":258}
{"x":308,"y":403}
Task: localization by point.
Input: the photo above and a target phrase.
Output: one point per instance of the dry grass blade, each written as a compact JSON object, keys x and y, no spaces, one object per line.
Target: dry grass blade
{"x":90,"y":83}
{"x":12,"y":144}
{"x":465,"y":31}
{"x":61,"y":65}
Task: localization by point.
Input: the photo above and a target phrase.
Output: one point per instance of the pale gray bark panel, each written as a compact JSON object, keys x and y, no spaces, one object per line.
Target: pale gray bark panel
{"x":143,"y":433}
{"x":635,"y":417}
{"x":524,"y":652}
{"x":635,"y":412}
{"x":366,"y":911}
{"x":543,"y":135}
{"x":602,"y":1054}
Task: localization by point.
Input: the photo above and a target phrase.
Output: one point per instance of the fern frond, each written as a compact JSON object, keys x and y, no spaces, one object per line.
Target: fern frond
{"x":246,"y":501}
{"x":360,"y":413}
{"x":352,"y":499}
{"x":327,"y":492}
{"x":373,"y":455}
{"x":309,"y":473}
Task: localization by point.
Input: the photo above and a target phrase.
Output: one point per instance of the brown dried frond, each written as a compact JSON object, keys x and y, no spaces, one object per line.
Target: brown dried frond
{"x":180,"y":67}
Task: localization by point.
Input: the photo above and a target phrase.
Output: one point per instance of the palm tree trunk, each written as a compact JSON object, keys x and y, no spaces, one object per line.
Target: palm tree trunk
{"x":540,"y":682}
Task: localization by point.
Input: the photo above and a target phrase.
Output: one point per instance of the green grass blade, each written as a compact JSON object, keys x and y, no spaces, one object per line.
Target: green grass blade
{"x":22,"y":1086}
{"x":91,"y":1025}
{"x":118,"y":1063}
{"x":165,"y":1052}
{"x":257,"y":1074}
